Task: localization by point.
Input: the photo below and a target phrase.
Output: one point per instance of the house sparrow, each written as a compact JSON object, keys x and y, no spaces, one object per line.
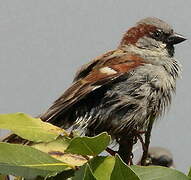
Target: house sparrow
{"x":120,"y":90}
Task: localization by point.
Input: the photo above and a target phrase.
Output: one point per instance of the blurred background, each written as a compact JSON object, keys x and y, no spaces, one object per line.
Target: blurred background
{"x":43,"y":42}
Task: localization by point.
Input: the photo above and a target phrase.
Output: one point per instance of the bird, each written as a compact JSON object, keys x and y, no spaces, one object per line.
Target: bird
{"x":120,"y":91}
{"x":160,"y":156}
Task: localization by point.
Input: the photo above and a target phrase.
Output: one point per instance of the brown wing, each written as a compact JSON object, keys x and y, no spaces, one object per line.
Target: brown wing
{"x":87,"y":68}
{"x":95,"y":75}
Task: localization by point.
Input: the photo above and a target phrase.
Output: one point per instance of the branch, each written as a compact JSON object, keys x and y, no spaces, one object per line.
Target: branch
{"x":147,"y":141}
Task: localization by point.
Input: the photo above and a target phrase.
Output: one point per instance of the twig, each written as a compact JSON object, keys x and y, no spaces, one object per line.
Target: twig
{"x":110,"y":151}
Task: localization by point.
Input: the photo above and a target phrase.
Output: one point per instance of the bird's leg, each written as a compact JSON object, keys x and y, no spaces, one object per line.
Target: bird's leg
{"x":125,"y":147}
{"x":141,"y":140}
{"x":138,"y":136}
{"x":110,"y":151}
{"x":147,"y":142}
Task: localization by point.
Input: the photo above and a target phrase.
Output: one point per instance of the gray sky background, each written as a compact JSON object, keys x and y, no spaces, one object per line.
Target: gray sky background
{"x":43,"y":42}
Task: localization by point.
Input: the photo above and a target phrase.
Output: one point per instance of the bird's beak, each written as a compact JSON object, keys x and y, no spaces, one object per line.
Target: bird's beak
{"x":176,"y":38}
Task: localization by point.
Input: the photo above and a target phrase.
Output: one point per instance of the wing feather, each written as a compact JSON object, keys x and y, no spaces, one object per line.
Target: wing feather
{"x":92,"y":77}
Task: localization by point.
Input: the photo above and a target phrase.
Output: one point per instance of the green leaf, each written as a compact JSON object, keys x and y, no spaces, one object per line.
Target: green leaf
{"x":84,"y":173}
{"x":30,"y":128}
{"x":57,"y":149}
{"x":102,"y":167}
{"x":189,"y":174}
{"x":122,"y":171}
{"x":66,"y":175}
{"x":158,"y":172}
{"x":89,"y":145}
{"x":19,"y":160}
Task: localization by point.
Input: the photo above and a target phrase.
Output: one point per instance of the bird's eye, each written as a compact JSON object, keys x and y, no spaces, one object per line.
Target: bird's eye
{"x":157,"y":34}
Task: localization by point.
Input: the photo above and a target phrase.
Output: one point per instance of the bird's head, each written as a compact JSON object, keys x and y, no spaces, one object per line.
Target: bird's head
{"x":152,"y":33}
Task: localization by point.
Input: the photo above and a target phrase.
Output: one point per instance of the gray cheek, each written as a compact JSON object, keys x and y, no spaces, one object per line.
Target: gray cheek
{"x":149,"y":43}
